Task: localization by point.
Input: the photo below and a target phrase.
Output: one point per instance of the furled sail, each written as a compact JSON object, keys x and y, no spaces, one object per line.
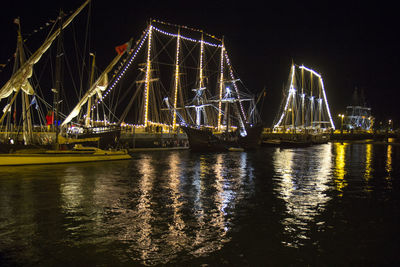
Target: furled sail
{"x":98,"y":86}
{"x":19,"y":80}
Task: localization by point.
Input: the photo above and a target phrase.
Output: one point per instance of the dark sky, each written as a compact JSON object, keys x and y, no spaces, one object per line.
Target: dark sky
{"x":352,"y":44}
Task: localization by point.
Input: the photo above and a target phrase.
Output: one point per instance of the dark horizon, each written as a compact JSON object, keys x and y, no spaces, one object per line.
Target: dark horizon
{"x":350,"y":45}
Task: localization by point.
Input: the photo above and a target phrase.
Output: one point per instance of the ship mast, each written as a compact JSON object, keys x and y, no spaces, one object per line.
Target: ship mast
{"x":26,"y":113}
{"x":147,"y":80}
{"x":312,"y":100}
{"x":293,"y":99}
{"x":302,"y":98}
{"x":176,"y":78}
{"x":320,"y":104}
{"x":221,"y":85}
{"x":59,"y":79}
{"x":19,"y":80}
{"x":199,"y":108}
{"x":89,"y":103}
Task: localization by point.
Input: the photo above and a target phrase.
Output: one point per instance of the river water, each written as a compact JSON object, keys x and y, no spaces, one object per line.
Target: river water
{"x":332,"y":204}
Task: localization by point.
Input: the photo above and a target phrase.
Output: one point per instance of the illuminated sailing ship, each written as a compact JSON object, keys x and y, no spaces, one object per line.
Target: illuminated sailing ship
{"x":33,"y":152}
{"x":221,"y":122}
{"x":304,"y":117}
{"x":164,"y":66}
{"x":358,"y":116}
{"x":20,"y":84}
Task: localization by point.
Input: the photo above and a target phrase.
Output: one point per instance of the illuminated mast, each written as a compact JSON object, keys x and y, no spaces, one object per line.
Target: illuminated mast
{"x":199,"y":91}
{"x":312,"y":100}
{"x":176,"y":78}
{"x":323,"y":93}
{"x":147,"y":81}
{"x":302,"y":98}
{"x":305,"y":92}
{"x":293,"y":98}
{"x":320,"y":105}
{"x":221,"y":87}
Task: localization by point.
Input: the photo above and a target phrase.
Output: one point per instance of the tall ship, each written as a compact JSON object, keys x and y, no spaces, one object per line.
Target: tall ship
{"x":304,"y":116}
{"x":156,"y":92}
{"x":26,"y":104}
{"x":34,"y":146}
{"x":172,"y":87}
{"x":358,"y":115}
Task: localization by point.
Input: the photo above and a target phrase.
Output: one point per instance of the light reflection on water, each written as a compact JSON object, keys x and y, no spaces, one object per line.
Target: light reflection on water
{"x":388,"y":167}
{"x":302,"y":179}
{"x":368,"y":162}
{"x":156,"y":207}
{"x":340,"y":166}
{"x":173,"y":207}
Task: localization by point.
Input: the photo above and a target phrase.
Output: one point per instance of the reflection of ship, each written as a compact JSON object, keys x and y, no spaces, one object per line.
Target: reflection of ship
{"x":302,"y":182}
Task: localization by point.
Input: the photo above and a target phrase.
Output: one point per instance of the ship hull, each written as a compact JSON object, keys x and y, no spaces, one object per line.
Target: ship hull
{"x":205,"y":140}
{"x":30,"y":157}
{"x":296,"y":140}
{"x":104,"y":139}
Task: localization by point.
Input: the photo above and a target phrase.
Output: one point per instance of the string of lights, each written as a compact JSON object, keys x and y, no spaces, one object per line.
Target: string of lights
{"x":323,"y":92}
{"x":176,"y":78}
{"x":221,"y":86}
{"x":121,"y":73}
{"x":185,"y":38}
{"x":292,"y":93}
{"x":147,"y":37}
{"x":133,"y":55}
{"x":147,"y":84}
{"x":287,"y":99}
{"x":186,"y":27}
{"x":232,"y":76}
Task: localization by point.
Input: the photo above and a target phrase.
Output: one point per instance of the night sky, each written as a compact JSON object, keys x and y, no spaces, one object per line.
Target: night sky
{"x":352,"y":44}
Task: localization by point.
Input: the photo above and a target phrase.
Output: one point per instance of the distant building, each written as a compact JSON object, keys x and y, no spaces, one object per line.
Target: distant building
{"x":358,"y":116}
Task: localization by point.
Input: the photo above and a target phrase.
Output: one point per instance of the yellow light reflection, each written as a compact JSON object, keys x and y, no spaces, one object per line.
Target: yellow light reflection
{"x":340,"y":164}
{"x":389,"y":167}
{"x":389,"y":159}
{"x":71,"y":190}
{"x":144,"y":227}
{"x":177,"y":237}
{"x":368,"y":162}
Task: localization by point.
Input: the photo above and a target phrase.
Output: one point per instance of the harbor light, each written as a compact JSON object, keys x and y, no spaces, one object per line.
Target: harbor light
{"x":341,"y":121}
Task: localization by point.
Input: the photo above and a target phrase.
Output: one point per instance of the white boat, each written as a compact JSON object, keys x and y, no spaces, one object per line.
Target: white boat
{"x":78,"y":154}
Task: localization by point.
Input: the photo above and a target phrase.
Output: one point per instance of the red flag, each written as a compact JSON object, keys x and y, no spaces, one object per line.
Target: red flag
{"x":50,"y":118}
{"x":121,"y":48}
